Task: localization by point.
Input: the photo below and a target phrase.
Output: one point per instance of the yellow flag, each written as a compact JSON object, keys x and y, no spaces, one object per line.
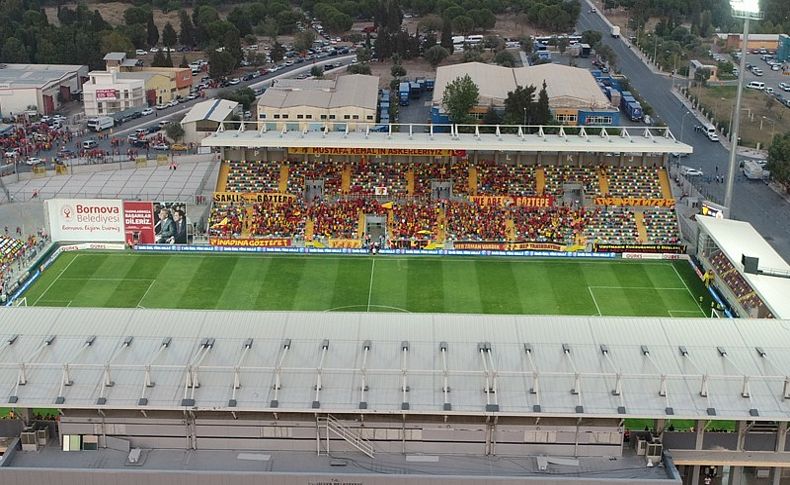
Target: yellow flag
{"x":387,"y":205}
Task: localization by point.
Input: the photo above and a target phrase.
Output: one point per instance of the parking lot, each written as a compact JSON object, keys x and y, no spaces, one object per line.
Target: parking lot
{"x":770,"y":77}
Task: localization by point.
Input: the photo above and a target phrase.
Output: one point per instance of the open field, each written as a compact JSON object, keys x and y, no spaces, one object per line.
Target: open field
{"x":362,"y":283}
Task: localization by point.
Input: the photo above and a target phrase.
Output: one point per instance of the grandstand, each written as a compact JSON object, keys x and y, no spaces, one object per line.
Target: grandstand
{"x":419,"y":365}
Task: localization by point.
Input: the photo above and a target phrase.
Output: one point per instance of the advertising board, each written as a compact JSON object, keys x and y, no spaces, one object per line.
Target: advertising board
{"x":93,"y":220}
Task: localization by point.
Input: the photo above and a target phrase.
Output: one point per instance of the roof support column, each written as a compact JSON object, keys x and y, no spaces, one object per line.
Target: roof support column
{"x":736,"y":472}
{"x":781,"y":438}
{"x":699,"y":429}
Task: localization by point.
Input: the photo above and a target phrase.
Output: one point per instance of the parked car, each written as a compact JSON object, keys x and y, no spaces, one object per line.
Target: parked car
{"x":154,"y":129}
{"x":173,"y":103}
{"x":88,"y":144}
{"x":140,"y":52}
{"x":784,"y":86}
{"x":178,"y":147}
{"x":12,"y":153}
{"x":162,"y":105}
{"x":161,"y":147}
{"x":234,"y":81}
{"x":690,"y":172}
{"x":147,"y":111}
{"x":153,"y":50}
{"x":34,"y":161}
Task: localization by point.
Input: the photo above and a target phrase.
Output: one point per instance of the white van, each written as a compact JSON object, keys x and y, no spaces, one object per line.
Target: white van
{"x":756,"y":85}
{"x":710,"y":132}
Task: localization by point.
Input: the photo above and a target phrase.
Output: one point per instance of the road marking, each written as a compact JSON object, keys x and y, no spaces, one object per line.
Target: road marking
{"x":589,"y":288}
{"x":370,"y":288}
{"x":689,"y":290}
{"x":56,"y":279}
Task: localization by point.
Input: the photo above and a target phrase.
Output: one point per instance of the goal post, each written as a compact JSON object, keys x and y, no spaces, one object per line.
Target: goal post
{"x":21,"y":302}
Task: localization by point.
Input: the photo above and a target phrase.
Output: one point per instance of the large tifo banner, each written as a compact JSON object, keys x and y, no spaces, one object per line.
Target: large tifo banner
{"x":254,"y":197}
{"x":138,"y":218}
{"x":634,"y":202}
{"x":509,"y":246}
{"x":94,"y":220}
{"x":518,"y":201}
{"x":416,"y":152}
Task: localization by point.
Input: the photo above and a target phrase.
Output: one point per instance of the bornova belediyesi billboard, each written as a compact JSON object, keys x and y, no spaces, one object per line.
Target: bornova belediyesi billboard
{"x":97,"y":220}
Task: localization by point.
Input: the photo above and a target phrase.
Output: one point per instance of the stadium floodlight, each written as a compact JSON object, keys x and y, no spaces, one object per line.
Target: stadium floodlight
{"x":746,"y":10}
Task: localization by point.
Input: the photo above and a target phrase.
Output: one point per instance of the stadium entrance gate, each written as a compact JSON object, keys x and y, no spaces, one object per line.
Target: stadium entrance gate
{"x":376,"y":226}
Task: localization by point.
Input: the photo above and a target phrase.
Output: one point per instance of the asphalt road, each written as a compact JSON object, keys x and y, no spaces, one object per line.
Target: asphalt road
{"x":753,"y":201}
{"x":175,"y":113}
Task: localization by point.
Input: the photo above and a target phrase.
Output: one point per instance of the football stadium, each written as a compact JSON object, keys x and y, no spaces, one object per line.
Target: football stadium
{"x":420,"y":304}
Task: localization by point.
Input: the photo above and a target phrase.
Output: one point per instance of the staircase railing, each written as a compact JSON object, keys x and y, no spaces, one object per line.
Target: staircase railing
{"x":337,"y":428}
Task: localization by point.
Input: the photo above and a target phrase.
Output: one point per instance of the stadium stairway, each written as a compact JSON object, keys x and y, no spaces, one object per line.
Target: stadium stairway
{"x":540,"y":181}
{"x":641,"y":229}
{"x":345,"y":180}
{"x":663,"y":179}
{"x":283,"y":182}
{"x":603,"y":181}
{"x":410,"y":182}
{"x":510,"y":230}
{"x":309,"y":230}
{"x":361,"y":225}
{"x":441,"y":223}
{"x":247,"y":229}
{"x":222,"y":179}
{"x":472,"y":180}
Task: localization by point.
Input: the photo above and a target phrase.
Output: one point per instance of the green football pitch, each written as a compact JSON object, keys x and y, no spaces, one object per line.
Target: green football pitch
{"x":367,"y":283}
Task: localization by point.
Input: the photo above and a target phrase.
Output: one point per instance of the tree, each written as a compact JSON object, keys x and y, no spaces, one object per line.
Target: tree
{"x":459,"y":97}
{"x":153,"y":32}
{"x":169,"y":36}
{"x":492,"y":117}
{"x":431,"y":23}
{"x":136,"y":15}
{"x":779,"y":160}
{"x":220,"y":64}
{"x":562,"y":44}
{"x":115,"y":41}
{"x":304,"y":40}
{"x":359,"y":69}
{"x":520,"y":108}
{"x":240,"y":18}
{"x":397,"y":70}
{"x":277,"y":52}
{"x":364,"y":55}
{"x":168,"y":59}
{"x":159,"y":59}
{"x":187,"y":34}
{"x":435,"y":55}
{"x":505,"y":58}
{"x":244,"y":96}
{"x":591,"y":37}
{"x":544,"y":116}
{"x":14,"y":51}
{"x":174,"y":131}
{"x":268,"y":28}
{"x":473,"y":54}
{"x":232,"y":43}
{"x":184,"y":62}
{"x":317,"y":72}
{"x":463,"y":24}
{"x":447,"y":36}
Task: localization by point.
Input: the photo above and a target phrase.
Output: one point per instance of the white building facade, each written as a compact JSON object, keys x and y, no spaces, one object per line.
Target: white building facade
{"x":106,"y":93}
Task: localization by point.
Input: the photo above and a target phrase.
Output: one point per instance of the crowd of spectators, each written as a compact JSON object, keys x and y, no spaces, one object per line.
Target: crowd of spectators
{"x":16,"y":252}
{"x":341,"y":219}
{"x":254,"y":176}
{"x":514,"y":179}
{"x":743,"y":291}
{"x":557,"y":176}
{"x":369,"y":174}
{"x":471,"y":222}
{"x":272,"y":219}
{"x":226,"y":220}
{"x":415,"y":221}
{"x":557,"y":224}
{"x":30,"y":139}
{"x":328,"y":171}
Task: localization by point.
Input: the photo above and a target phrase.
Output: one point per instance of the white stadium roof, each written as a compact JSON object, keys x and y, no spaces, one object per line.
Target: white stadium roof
{"x":488,"y":138}
{"x":407,"y":363}
{"x":738,"y":238}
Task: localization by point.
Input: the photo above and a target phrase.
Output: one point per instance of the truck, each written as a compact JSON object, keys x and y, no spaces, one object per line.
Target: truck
{"x":404,"y":89}
{"x":101,"y":123}
{"x":634,"y":111}
{"x":429,"y":83}
{"x":585,"y":50}
{"x":754,"y":170}
{"x":615,"y":31}
{"x":415,"y":90}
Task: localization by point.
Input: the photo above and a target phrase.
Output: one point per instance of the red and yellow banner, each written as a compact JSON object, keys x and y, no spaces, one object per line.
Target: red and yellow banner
{"x":345,"y":243}
{"x":634,"y":201}
{"x":417,"y":152}
{"x":509,"y":246}
{"x":519,"y":201}
{"x":282,"y":242}
{"x":238,"y":197}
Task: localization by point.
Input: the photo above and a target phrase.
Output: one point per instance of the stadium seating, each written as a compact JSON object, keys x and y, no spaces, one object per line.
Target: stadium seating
{"x":515,"y":179}
{"x":742,"y":290}
{"x":641,"y":182}
{"x":470,"y":222}
{"x":258,"y":176}
{"x":418,"y":218}
{"x":614,"y":225}
{"x":557,"y":176}
{"x":558,"y":224}
{"x":12,"y":250}
{"x":661,"y":226}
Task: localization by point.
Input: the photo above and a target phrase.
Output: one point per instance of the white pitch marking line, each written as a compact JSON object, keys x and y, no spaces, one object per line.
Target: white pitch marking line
{"x":370,"y":288}
{"x":106,"y":279}
{"x":56,"y":279}
{"x":150,"y":285}
{"x":688,"y":289}
{"x":680,"y":288}
{"x":589,"y":288}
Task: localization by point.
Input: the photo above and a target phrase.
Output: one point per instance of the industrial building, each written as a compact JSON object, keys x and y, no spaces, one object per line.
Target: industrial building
{"x":205,"y":117}
{"x":315,"y":104}
{"x":39,"y":87}
{"x":783,"y":49}
{"x":756,"y":41}
{"x":574,"y":95}
{"x":300,"y":397}
{"x":160,"y":85}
